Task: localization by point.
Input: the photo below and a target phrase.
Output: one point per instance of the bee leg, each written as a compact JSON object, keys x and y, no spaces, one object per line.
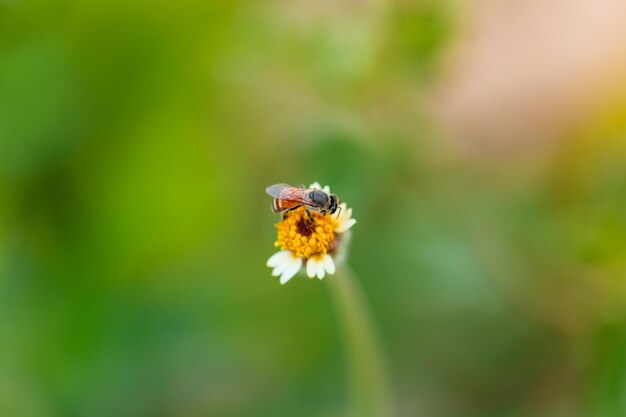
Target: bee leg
{"x":308,"y":213}
{"x":290,"y":209}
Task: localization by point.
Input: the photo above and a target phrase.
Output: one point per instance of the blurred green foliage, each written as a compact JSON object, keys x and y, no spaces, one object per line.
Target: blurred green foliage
{"x":136,"y":139}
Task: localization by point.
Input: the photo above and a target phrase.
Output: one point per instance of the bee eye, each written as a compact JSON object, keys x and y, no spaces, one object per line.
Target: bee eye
{"x":319,"y":197}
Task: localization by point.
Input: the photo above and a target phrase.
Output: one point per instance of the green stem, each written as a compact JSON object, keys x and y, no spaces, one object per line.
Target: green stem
{"x":370,"y":387}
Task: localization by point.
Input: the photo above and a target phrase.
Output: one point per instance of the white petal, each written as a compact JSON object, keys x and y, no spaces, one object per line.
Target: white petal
{"x":293,"y":269}
{"x":316,"y":185}
{"x":278,"y":258}
{"x":329,"y":264}
{"x":311,"y":267}
{"x":342,"y":227}
{"x":287,"y":261}
{"x":280,"y":269}
{"x":326,"y":189}
{"x":320,"y":270}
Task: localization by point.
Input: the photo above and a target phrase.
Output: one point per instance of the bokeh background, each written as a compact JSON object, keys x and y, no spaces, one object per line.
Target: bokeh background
{"x":482,"y":146}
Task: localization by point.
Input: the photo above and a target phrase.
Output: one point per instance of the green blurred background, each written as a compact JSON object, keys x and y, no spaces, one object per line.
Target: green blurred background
{"x":482,"y":147}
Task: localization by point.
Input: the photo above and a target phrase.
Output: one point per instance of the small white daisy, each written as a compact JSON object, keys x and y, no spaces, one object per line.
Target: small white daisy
{"x":315,"y":247}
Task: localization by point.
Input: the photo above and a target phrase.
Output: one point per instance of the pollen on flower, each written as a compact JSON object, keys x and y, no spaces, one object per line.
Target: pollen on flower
{"x":304,"y":238}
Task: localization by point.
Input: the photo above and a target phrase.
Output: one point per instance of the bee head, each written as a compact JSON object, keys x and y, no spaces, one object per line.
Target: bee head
{"x":332,"y":206}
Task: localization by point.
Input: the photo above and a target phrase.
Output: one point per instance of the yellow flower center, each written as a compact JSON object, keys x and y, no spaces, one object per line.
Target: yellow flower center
{"x":303,"y":237}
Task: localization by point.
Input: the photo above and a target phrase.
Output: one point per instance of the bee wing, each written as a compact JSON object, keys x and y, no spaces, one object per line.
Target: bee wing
{"x":287,"y":192}
{"x":277,"y":190}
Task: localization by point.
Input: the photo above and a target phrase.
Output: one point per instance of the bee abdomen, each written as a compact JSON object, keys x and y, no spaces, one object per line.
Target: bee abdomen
{"x":279,"y":205}
{"x":276,"y":206}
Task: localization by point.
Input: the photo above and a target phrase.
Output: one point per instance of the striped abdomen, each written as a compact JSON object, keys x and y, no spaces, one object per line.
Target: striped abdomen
{"x":279,"y":205}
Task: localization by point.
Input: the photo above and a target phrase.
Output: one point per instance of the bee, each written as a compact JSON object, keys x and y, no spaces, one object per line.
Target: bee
{"x":287,"y":198}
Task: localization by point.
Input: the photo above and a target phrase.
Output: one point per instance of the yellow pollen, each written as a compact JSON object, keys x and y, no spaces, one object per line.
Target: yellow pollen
{"x":303,"y":238}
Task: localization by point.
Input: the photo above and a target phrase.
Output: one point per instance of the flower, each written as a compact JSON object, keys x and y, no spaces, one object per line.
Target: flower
{"x":315,"y":247}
